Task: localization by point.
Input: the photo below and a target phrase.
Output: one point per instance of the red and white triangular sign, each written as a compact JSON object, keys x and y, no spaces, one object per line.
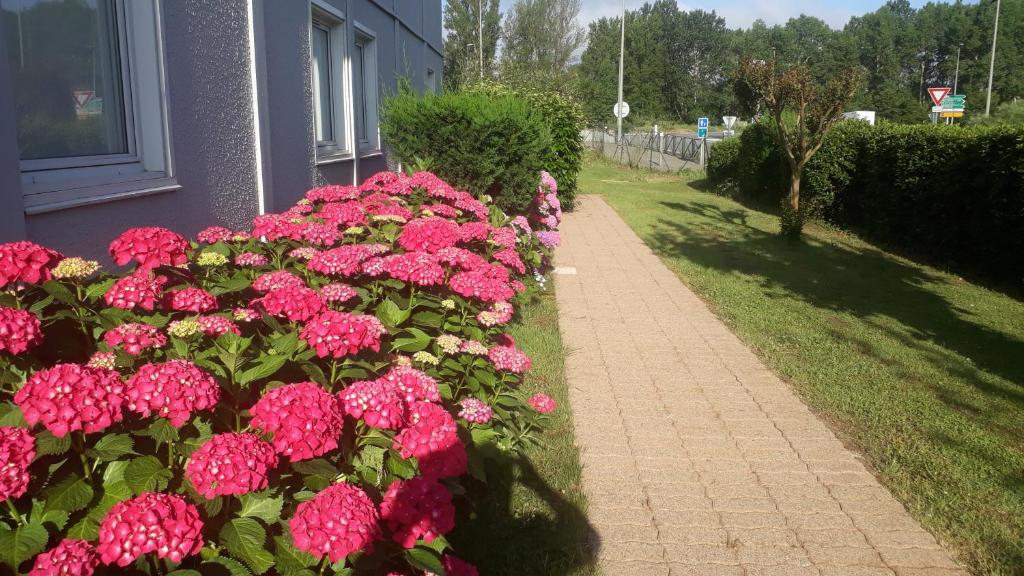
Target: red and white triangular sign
{"x":938,"y":94}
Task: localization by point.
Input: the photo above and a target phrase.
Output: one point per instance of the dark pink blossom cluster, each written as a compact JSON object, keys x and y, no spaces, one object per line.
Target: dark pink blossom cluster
{"x":509,"y":359}
{"x":504,"y":237}
{"x":173,"y":390}
{"x":337,"y":292}
{"x":432,"y":438}
{"x":542,"y":403}
{"x":461,"y":258}
{"x":339,"y":520}
{"x":443,"y":210}
{"x":475,"y":410}
{"x":344,"y":260}
{"x":250,"y":259}
{"x":429,"y":234}
{"x":277,"y":279}
{"x":20,"y":330}
{"x":474,"y":232}
{"x":216,"y":325}
{"x":296,"y":303}
{"x":413,"y":384}
{"x":17,"y":450}
{"x":509,"y":257}
{"x":231,"y":464}
{"x":273,"y":226}
{"x":69,"y":558}
{"x":333,"y":193}
{"x":26,"y":262}
{"x":343,"y":214}
{"x":191,"y":299}
{"x":420,"y":268}
{"x":134,"y":337}
{"x":162,"y":523}
{"x":499,"y":313}
{"x":376,"y":402}
{"x":319,"y":234}
{"x":417,"y":508}
{"x":214,"y":234}
{"x":140,"y":288}
{"x":70,"y":397}
{"x":387,"y":208}
{"x":483,"y":284}
{"x":305,"y":420}
{"x":339,"y":334}
{"x":150,"y":247}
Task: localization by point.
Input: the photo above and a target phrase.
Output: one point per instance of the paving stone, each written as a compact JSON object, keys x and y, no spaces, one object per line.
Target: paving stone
{"x":696,"y":459}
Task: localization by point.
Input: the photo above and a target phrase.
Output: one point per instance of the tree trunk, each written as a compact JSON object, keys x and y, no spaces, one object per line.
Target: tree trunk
{"x":792,"y":221}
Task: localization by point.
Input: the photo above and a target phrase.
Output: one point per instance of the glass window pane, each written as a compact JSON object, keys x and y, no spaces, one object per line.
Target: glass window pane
{"x":67,"y":74}
{"x":322,"y":84}
{"x":359,"y":81}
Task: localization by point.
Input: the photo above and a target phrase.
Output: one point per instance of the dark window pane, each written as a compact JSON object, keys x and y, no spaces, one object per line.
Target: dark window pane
{"x":66,"y":68}
{"x":359,"y":81}
{"x":322,"y":83}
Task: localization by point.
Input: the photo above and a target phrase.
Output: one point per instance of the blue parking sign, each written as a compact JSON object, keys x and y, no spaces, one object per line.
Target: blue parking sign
{"x":702,"y":123}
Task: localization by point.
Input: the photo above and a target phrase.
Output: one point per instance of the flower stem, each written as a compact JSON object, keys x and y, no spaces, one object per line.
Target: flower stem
{"x":153,"y":566}
{"x":14,"y":512}
{"x":323,"y":565}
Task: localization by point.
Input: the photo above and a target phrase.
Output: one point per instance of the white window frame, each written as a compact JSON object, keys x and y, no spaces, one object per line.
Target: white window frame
{"x":371,"y":144}
{"x":56,"y":183}
{"x":326,"y":16}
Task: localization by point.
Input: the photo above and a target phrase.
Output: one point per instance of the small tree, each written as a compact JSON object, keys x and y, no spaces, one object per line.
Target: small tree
{"x":794,"y":93}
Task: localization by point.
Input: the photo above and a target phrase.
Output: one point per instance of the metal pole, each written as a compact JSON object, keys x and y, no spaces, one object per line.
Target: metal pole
{"x":992,"y":62}
{"x":622,"y":50}
{"x":480,"y":34}
{"x":21,"y":42}
{"x":956,"y":75}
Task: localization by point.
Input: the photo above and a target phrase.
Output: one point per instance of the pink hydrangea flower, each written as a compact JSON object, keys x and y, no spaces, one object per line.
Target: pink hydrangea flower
{"x":337,"y":292}
{"x":505,"y":237}
{"x":70,"y":397}
{"x":417,"y":508}
{"x":473,"y":347}
{"x":333,"y":193}
{"x":150,"y":247}
{"x":499,"y":313}
{"x":296,"y":303}
{"x":173,"y":390}
{"x":214,"y":234}
{"x":134,"y":337}
{"x":343,"y":214}
{"x":474,"y":232}
{"x":216,"y":325}
{"x":305,"y":420}
{"x":509,"y":359}
{"x":419,"y":268}
{"x":549,"y":238}
{"x":339,"y":334}
{"x":338,"y":521}
{"x":151,"y":522}
{"x":17,"y":450}
{"x":481,"y":284}
{"x":376,"y":402}
{"x":102,"y":360}
{"x":304,"y":252}
{"x":26,"y":262}
{"x":275,"y":280}
{"x":250,"y":259}
{"x":230,"y":464}
{"x":542,"y":403}
{"x":69,"y":558}
{"x":509,"y":257}
{"x":140,"y":288}
{"x":413,"y":384}
{"x":20,"y":330}
{"x":429,"y":234}
{"x":272,"y":226}
{"x":442,"y":210}
{"x":245,"y":314}
{"x":432,"y":438}
{"x":344,"y":260}
{"x":475,"y":410}
{"x":191,"y":299}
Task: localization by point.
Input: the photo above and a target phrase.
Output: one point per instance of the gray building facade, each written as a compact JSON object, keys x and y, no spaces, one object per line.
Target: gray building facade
{"x":191,"y":113}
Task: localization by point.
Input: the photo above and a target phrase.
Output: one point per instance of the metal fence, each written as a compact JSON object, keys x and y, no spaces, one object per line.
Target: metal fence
{"x":654,"y":150}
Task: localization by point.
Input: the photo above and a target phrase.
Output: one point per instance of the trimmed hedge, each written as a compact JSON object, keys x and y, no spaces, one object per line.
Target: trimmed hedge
{"x":563,"y":116}
{"x":482,"y":143}
{"x":951,"y":193}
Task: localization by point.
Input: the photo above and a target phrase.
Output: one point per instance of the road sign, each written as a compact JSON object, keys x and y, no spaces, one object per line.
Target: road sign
{"x":951,"y":114}
{"x":702,"y":132}
{"x":702,"y":123}
{"x":936,"y":108}
{"x":954,"y":102}
{"x":938,"y":94}
{"x":625,"y":110}
{"x":729,"y":122}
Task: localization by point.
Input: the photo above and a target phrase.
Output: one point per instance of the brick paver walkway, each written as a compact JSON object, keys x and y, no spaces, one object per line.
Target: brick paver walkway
{"x":696,"y":458}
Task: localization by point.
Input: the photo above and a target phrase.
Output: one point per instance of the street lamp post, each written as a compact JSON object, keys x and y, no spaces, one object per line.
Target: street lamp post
{"x":622,"y":50}
{"x":956,"y":75}
{"x":480,"y":33}
{"x":992,"y":62}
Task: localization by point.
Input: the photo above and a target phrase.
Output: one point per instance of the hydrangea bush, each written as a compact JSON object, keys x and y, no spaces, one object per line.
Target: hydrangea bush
{"x":305,"y":397}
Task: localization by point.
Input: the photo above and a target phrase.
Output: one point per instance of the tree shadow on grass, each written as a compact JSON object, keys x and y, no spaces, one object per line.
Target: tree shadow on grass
{"x":550,"y":537}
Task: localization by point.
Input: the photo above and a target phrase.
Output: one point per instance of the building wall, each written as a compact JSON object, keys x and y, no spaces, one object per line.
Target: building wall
{"x":214,"y":132}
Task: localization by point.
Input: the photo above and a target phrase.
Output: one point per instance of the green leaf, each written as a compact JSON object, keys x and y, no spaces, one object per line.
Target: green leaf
{"x":162,"y":431}
{"x":264,"y":367}
{"x":289,"y":559}
{"x":48,"y":444}
{"x":60,"y":292}
{"x":231,"y":566}
{"x":399,"y":466}
{"x":316,"y":467}
{"x":146,"y":474}
{"x":58,"y":518}
{"x":85,"y":529}
{"x":98,"y":289}
{"x":416,"y":341}
{"x":185,"y":573}
{"x":429,"y":319}
{"x":425,"y":559}
{"x":262,"y":505}
{"x":112,"y":447}
{"x":10,"y":415}
{"x":22,"y":543}
{"x":70,"y":494}
{"x":391,"y":314}
{"x":245,"y":538}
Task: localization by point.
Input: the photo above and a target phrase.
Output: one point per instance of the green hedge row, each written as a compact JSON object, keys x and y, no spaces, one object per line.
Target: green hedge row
{"x":482,"y":143}
{"x":952,"y":194}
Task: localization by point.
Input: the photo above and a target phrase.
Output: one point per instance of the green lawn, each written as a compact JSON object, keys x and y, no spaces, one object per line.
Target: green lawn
{"x":531,"y":515}
{"x":921,"y":370}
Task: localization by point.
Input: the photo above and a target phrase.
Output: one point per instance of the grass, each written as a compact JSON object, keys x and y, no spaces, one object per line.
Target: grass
{"x":919,"y":369}
{"x":530,"y":518}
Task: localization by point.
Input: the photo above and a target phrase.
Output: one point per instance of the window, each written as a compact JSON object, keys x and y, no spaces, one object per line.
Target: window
{"x":327,"y":67}
{"x":431,"y":81}
{"x":364,"y":82}
{"x":88,"y":85}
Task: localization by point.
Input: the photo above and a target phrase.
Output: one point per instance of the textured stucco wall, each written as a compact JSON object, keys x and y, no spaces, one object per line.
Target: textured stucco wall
{"x":210,"y":107}
{"x":12,"y":218}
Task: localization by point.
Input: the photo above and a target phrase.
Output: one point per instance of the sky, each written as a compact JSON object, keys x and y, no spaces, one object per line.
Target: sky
{"x":741,"y":13}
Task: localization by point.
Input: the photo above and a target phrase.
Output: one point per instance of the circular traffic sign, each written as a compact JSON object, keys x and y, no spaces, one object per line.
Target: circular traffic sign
{"x":625,"y":110}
